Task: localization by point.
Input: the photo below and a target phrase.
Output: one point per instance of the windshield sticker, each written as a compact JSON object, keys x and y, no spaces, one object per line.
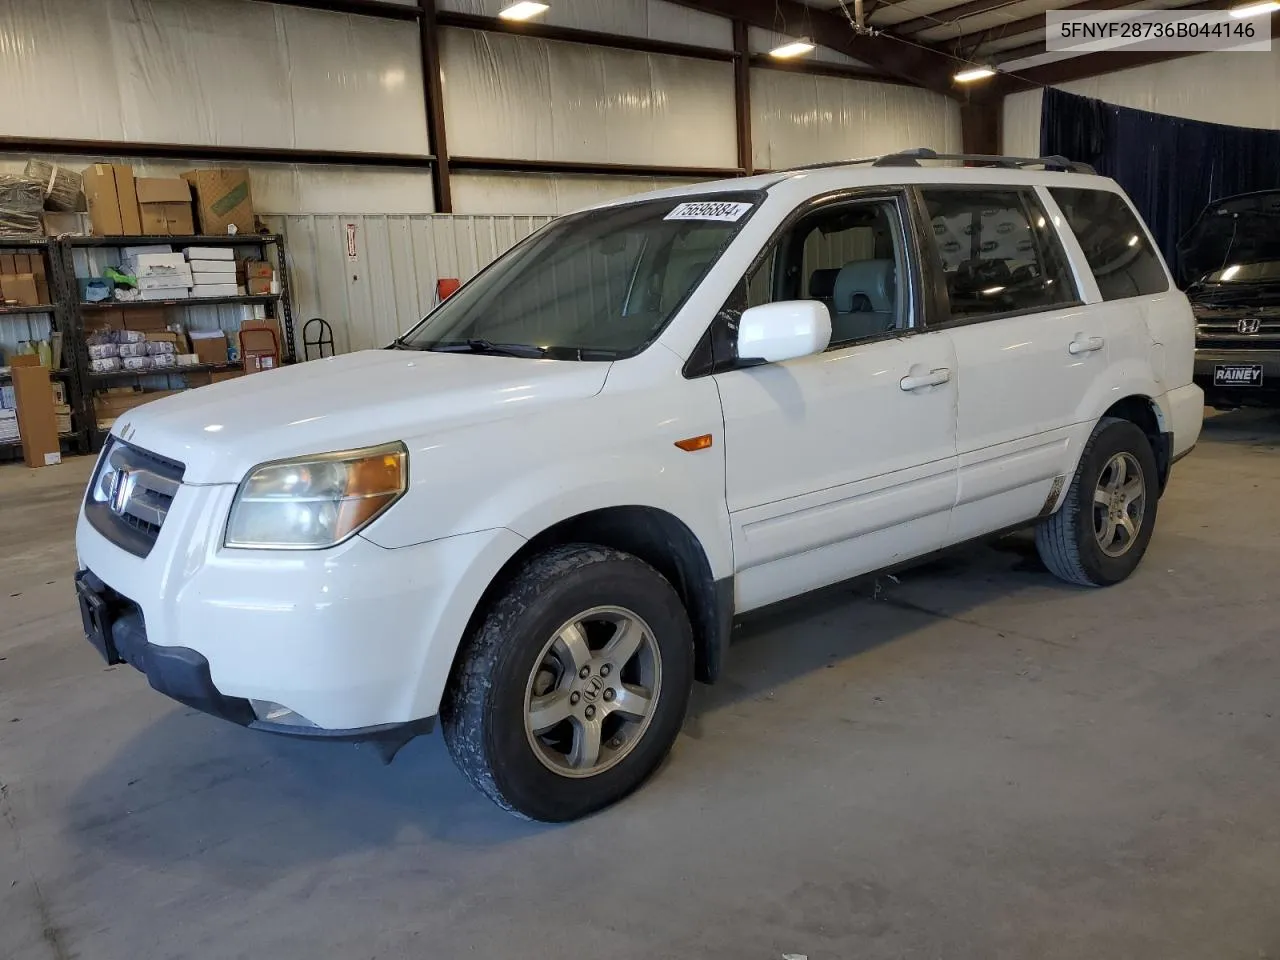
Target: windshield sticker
{"x":708,"y":210}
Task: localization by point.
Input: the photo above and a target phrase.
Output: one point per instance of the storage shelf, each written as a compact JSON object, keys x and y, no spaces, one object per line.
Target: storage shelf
{"x":167,"y":372}
{"x":16,"y":311}
{"x":239,"y":240}
{"x":18,"y":442}
{"x":8,"y":375}
{"x":181,"y":302}
{"x":33,"y":242}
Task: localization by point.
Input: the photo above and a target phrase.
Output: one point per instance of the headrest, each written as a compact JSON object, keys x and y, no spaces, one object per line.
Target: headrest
{"x":822,"y":284}
{"x":873,"y":279}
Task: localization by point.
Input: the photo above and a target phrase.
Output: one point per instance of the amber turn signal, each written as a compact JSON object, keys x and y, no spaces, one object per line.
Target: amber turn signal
{"x":690,"y":444}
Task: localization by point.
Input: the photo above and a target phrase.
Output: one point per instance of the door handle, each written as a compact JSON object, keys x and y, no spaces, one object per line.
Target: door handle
{"x":933,"y":378}
{"x":1086,"y":345}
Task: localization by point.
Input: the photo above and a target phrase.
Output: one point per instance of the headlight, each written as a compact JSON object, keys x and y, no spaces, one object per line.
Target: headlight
{"x":318,"y":501}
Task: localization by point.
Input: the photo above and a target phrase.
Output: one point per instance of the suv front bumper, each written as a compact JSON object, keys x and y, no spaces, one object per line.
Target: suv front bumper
{"x":1266,"y":395}
{"x":347,"y":640}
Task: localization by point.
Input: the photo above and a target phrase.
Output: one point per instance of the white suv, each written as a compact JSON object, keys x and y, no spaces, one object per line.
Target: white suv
{"x":537,"y":513}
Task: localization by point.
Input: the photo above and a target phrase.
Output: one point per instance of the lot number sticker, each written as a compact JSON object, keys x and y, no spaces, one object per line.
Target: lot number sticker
{"x":708,"y":210}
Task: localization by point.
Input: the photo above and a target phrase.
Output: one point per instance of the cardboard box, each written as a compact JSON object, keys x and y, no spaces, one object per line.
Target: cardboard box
{"x":22,"y":263}
{"x":173,"y":282}
{"x":114,"y":403}
{"x":164,"y":206}
{"x":226,"y":268}
{"x":112,"y":199}
{"x":215,"y":290}
{"x":258,"y":268}
{"x":209,"y":346}
{"x":59,"y":390}
{"x":57,"y":224}
{"x":146,"y":264}
{"x":210,"y":253}
{"x":169,"y":294}
{"x":8,"y":263}
{"x":20,"y":287}
{"x":212,"y":279}
{"x":146,"y":319}
{"x":37,"y":423}
{"x":258,"y":286}
{"x":223,"y":199}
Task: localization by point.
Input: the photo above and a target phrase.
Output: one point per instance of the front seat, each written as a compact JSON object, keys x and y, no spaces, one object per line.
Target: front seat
{"x":864,"y":300}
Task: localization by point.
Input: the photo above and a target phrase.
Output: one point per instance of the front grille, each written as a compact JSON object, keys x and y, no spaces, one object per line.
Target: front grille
{"x":1221,"y":328}
{"x":130,"y":495}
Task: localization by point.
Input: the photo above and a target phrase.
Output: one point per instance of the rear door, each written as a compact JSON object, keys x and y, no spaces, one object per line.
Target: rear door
{"x":1027,"y":349}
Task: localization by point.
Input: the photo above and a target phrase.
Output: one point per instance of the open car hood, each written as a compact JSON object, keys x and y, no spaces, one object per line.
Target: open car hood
{"x":1242,"y":229}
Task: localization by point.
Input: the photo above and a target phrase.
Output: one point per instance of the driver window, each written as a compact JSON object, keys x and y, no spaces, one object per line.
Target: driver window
{"x":848,"y":256}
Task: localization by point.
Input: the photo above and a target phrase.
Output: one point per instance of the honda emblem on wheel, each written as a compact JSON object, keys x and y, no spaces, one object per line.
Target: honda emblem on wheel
{"x":1249,"y":325}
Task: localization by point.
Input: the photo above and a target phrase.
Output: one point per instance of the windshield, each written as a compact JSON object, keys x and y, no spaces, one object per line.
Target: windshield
{"x":1235,"y":241}
{"x":598,"y":285}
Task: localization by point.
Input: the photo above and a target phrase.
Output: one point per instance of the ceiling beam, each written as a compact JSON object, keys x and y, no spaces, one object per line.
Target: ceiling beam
{"x":947,"y":15}
{"x":1036,"y":22}
{"x":927,"y":67}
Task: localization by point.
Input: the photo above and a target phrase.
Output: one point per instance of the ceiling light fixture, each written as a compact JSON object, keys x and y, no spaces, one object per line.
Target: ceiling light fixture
{"x":1254,"y":9}
{"x":524,"y":10}
{"x":974,"y":73}
{"x":793,"y":48}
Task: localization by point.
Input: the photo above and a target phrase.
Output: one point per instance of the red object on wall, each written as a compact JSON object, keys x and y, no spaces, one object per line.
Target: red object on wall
{"x":446,"y":286}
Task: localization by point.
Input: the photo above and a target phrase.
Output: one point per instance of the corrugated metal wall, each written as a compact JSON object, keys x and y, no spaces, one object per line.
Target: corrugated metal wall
{"x":390,"y":283}
{"x":368,"y":300}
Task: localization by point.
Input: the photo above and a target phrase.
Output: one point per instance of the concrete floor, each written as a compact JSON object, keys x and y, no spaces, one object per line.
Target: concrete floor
{"x":973,"y":762}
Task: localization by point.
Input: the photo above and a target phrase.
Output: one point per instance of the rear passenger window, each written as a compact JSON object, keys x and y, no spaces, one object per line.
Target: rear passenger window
{"x":1115,"y":245}
{"x":997,"y":252}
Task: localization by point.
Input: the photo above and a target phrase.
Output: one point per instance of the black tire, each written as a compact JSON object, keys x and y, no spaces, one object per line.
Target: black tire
{"x":483,"y":713}
{"x":1066,"y":540}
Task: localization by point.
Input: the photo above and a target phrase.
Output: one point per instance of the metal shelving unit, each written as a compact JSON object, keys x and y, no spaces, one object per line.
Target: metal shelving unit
{"x":62,"y":317}
{"x":79,"y":312}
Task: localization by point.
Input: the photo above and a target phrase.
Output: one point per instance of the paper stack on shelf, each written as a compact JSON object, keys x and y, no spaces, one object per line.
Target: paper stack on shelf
{"x":213,"y":271}
{"x":162,"y":274}
{"x":8,"y":425}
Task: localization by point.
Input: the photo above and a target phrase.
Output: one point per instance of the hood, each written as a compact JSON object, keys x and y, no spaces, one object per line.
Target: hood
{"x":1240,"y":232}
{"x":355,"y":400}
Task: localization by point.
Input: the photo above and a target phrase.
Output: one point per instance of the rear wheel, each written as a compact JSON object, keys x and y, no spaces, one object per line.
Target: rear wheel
{"x":1101,"y":531}
{"x":575,"y":685}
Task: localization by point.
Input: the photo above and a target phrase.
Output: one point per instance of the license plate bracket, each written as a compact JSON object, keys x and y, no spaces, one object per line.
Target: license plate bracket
{"x":97,"y":616}
{"x":1237,"y":375}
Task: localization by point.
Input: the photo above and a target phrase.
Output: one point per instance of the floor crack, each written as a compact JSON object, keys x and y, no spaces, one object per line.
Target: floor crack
{"x":49,"y":930}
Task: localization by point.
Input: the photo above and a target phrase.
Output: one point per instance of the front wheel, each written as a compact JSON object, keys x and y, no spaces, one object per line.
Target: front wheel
{"x":1101,"y":531}
{"x":575,"y":685}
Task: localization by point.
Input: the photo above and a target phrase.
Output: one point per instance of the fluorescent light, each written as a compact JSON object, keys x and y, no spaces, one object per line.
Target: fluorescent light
{"x":975,"y":73}
{"x":992,"y":291}
{"x":1231,"y":271}
{"x":1133,"y":241}
{"x":796,"y":48}
{"x":524,"y":10}
{"x":1254,"y":9}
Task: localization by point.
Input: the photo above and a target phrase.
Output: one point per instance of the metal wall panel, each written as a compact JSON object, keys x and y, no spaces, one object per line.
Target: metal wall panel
{"x":391,"y":282}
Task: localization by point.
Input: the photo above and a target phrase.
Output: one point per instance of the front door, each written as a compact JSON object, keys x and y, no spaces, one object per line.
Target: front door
{"x":843,"y":462}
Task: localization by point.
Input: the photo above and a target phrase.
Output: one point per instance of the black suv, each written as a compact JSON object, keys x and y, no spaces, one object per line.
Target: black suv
{"x":1229,"y":263}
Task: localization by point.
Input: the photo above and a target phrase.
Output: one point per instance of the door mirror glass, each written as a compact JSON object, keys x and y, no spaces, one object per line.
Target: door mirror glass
{"x":783,"y":331}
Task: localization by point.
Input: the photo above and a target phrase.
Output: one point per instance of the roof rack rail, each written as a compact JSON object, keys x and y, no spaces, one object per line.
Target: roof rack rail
{"x":912,"y":158}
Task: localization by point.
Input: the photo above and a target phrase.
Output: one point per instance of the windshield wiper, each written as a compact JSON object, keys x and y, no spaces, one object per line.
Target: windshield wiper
{"x":480,"y":345}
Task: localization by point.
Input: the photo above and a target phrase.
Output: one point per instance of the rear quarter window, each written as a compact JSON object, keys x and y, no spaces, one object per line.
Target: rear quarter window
{"x":1114,"y":243}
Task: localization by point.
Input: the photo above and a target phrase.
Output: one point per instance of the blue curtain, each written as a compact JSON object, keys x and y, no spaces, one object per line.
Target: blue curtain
{"x":1171,"y":167}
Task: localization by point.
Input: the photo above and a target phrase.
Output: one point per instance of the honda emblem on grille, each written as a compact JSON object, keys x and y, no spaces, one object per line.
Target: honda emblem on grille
{"x":122,"y":490}
{"x":1249,"y":325}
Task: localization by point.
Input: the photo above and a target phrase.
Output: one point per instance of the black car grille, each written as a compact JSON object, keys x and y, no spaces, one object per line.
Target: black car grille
{"x":1238,"y":328}
{"x":132,"y":518}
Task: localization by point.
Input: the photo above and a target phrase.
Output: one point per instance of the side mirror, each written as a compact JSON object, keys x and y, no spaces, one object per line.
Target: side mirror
{"x":784,"y":331}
